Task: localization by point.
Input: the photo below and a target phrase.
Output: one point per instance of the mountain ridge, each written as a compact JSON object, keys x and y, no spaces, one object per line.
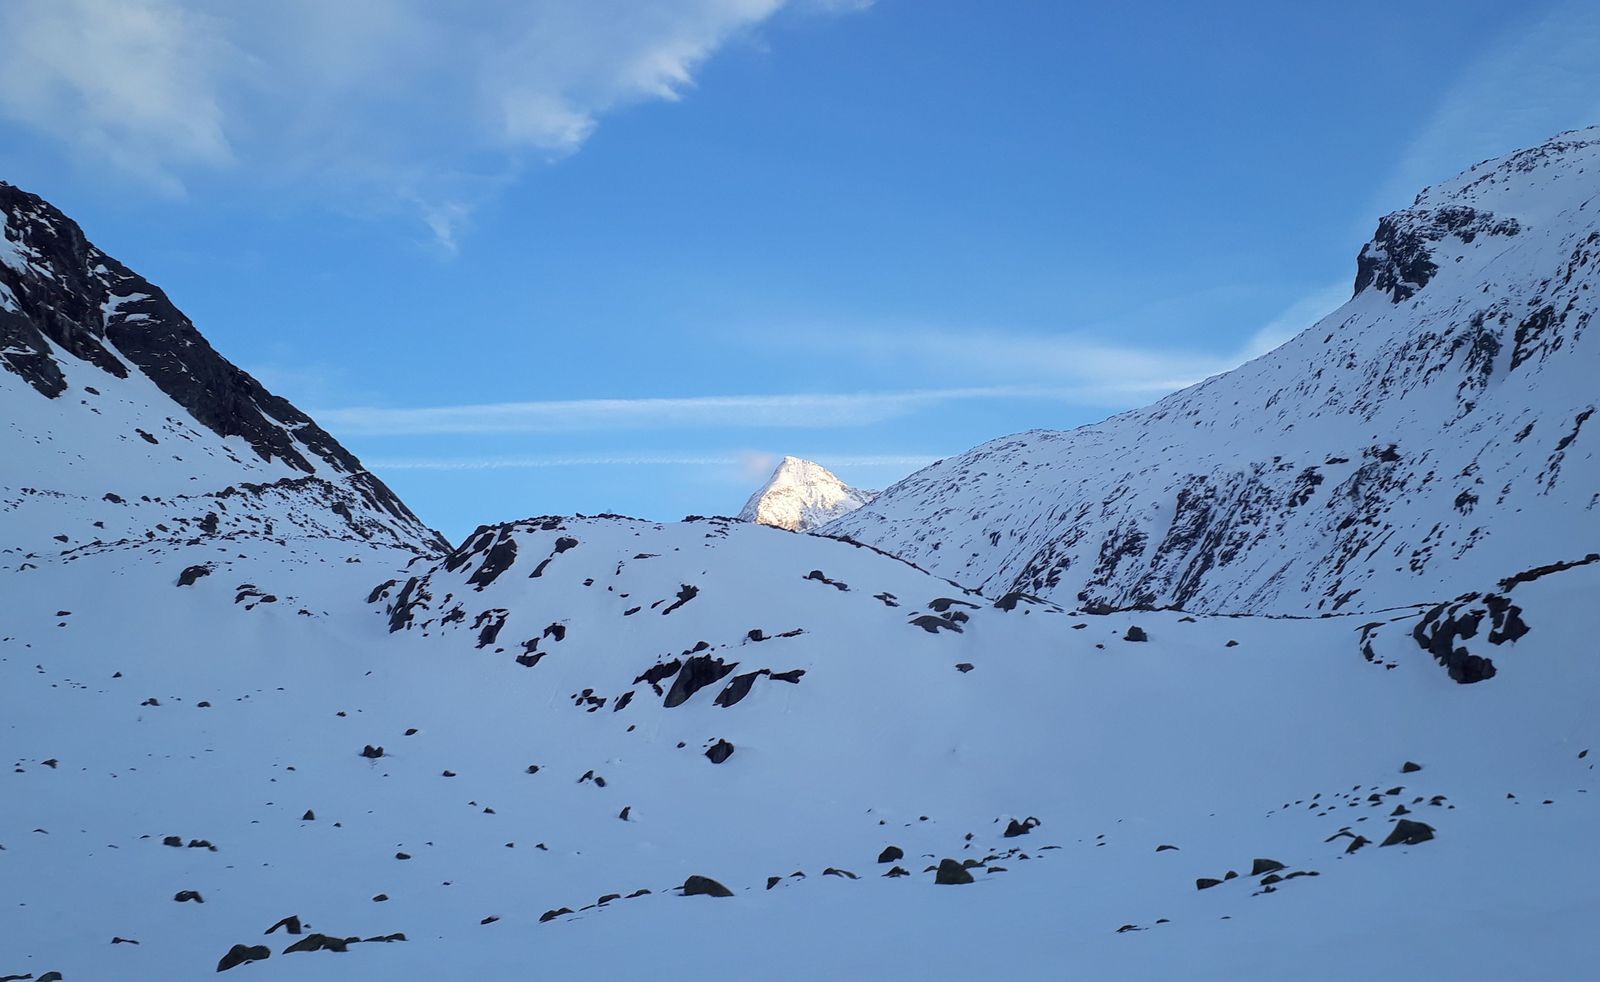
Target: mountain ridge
{"x":1383,"y":455}
{"x":76,"y":322}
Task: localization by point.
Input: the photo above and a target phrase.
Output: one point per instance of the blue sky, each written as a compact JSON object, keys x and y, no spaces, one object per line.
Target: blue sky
{"x":603,"y":255}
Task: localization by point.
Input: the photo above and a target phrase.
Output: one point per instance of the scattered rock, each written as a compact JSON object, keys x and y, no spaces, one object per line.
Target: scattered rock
{"x":1015,"y":828}
{"x":951,"y":873}
{"x":720,"y":751}
{"x":890,"y":854}
{"x":320,"y":942}
{"x":192,"y":573}
{"x":697,"y":672}
{"x":698,"y":885}
{"x":1136,"y":633}
{"x":290,"y":924}
{"x":1408,"y":833}
{"x":240,"y":954}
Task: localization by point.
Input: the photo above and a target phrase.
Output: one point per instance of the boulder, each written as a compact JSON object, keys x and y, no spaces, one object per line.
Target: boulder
{"x":240,"y":954}
{"x":952,"y":873}
{"x":696,"y":886}
{"x":1408,"y":833}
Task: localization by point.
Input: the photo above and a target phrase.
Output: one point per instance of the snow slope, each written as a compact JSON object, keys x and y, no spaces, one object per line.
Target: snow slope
{"x":1427,"y":435}
{"x":152,"y":709}
{"x":801,"y":495}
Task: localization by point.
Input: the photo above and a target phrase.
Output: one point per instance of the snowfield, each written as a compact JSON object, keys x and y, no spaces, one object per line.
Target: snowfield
{"x":259,"y":719}
{"x":1268,"y":749}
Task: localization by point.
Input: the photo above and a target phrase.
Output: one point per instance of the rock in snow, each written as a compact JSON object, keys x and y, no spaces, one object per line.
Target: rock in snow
{"x":801,"y":496}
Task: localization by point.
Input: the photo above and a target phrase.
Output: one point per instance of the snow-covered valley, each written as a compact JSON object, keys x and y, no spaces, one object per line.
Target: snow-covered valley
{"x":240,"y":682}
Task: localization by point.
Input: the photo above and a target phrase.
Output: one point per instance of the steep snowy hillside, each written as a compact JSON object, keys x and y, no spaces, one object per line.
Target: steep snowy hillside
{"x":109,"y":395}
{"x":519,"y":756}
{"x":802,"y":495}
{"x":1430,"y":434}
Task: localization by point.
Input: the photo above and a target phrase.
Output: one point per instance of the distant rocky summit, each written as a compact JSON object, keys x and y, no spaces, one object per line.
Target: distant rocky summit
{"x":802,"y":495}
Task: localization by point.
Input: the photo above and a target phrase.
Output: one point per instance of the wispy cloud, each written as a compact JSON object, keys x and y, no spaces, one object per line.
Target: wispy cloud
{"x":1072,"y":369}
{"x":1540,"y":81}
{"x":820,"y":410}
{"x":411,"y":102}
{"x":133,"y":82}
{"x":748,"y":462}
{"x":1080,"y":367}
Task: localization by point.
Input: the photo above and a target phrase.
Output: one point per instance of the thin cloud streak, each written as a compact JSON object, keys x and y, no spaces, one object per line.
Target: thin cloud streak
{"x":656,"y":460}
{"x":1068,"y":369}
{"x":1079,"y":368}
{"x":565,"y":416}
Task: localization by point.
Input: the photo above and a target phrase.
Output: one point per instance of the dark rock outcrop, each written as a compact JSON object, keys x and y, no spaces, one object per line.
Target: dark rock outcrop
{"x":698,"y":886}
{"x":240,"y":954}
{"x":951,"y":873}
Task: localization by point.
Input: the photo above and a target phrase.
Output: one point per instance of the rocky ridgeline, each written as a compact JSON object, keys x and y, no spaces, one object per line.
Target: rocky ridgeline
{"x":1430,"y":434}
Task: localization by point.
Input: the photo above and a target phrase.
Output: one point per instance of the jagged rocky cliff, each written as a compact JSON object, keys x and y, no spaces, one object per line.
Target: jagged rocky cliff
{"x":109,"y":394}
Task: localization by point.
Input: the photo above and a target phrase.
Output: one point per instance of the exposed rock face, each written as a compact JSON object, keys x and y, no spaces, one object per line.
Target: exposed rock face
{"x":79,"y":327}
{"x":1428,"y":435}
{"x":802,"y":495}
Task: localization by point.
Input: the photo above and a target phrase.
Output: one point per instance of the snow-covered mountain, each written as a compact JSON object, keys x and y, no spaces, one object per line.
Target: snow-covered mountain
{"x":116,"y":409}
{"x":258,"y":721}
{"x":1432,"y":433}
{"x":801,"y":496}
